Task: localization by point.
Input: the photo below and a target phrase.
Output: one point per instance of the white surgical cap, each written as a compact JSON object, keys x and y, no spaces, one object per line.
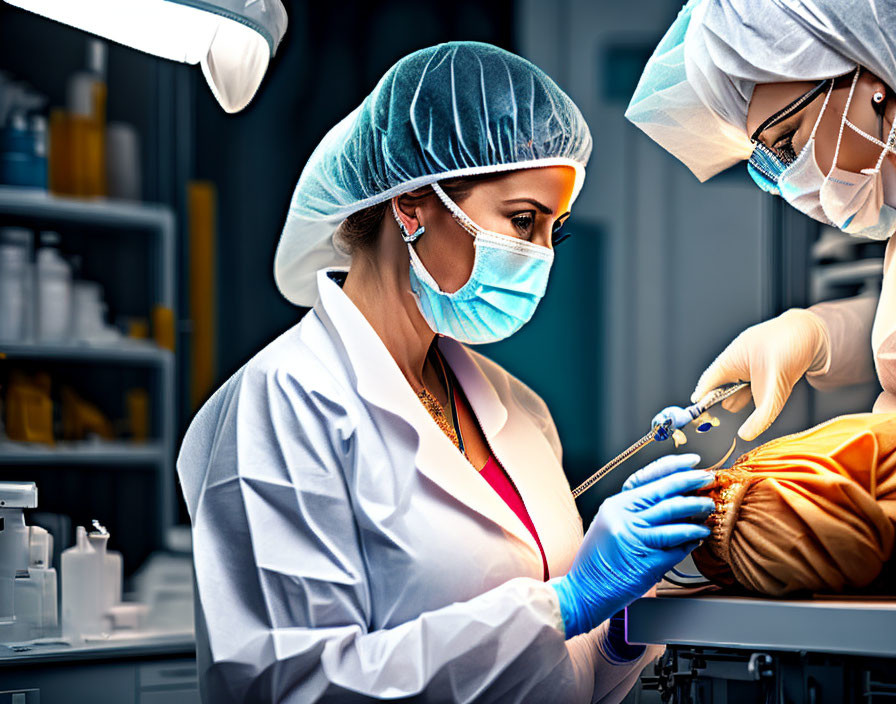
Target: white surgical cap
{"x":455,"y":109}
{"x":693,"y":96}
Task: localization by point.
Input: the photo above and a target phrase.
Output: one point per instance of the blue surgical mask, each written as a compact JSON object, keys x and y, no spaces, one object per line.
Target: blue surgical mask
{"x":852,"y":202}
{"x":508,"y":279}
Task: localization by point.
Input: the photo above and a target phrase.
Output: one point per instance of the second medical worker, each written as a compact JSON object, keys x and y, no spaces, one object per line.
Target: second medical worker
{"x":378,"y":511}
{"x":805,"y":90}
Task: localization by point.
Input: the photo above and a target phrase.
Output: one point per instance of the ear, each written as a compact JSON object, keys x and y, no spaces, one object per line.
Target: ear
{"x":407,"y":214}
{"x":878,"y":90}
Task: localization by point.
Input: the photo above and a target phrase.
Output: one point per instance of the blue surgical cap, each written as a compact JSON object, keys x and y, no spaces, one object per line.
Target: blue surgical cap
{"x":456,"y":109}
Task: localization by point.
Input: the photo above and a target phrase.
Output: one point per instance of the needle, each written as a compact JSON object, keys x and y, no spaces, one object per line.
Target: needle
{"x":660,"y":432}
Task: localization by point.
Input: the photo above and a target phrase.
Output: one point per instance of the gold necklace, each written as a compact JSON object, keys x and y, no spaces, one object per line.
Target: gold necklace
{"x":448,"y":424}
{"x":432,"y":405}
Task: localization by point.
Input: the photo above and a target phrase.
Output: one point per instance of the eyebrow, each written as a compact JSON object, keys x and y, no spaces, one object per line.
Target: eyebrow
{"x":791,"y":108}
{"x":776,"y":132}
{"x":540,"y":206}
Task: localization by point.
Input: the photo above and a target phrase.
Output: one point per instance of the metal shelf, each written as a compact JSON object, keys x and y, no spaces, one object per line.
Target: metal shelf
{"x":123,"y":220}
{"x":44,"y":207}
{"x":96,"y":211}
{"x":72,"y":453}
{"x":125,"y":352}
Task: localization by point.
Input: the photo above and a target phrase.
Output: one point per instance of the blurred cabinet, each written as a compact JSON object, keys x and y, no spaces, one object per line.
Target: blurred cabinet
{"x":128,"y":484}
{"x":141,"y":675}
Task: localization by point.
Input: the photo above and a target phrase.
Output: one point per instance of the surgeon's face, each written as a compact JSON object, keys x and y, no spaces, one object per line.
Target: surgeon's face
{"x":791,"y":135}
{"x":530,"y":204}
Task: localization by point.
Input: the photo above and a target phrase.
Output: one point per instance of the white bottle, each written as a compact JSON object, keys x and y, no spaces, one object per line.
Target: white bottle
{"x":82,"y":589}
{"x":88,"y":323}
{"x":112,"y":570}
{"x":53,"y":283}
{"x":15,"y":272}
{"x":91,"y":585}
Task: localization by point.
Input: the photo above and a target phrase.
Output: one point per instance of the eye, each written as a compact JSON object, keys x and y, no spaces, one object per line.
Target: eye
{"x":524,"y":222}
{"x":783,"y":146}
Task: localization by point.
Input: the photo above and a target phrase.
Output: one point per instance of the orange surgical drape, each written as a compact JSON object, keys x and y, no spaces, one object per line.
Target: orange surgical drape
{"x":811,"y":511}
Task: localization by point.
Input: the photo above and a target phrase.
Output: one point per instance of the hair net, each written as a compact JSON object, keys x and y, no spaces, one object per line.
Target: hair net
{"x":693,"y":96}
{"x":455,"y":109}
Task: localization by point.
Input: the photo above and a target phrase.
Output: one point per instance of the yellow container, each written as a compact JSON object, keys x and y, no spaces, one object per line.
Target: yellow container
{"x":163,"y":326}
{"x":137,"y":403}
{"x":29,"y":409}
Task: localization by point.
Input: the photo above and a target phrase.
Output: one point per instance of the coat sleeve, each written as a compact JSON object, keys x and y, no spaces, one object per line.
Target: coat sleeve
{"x":613,"y":679}
{"x":281,"y":578}
{"x":848,"y":323}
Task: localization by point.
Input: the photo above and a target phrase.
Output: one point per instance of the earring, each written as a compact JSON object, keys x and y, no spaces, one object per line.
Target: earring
{"x":878,"y":97}
{"x":405,"y":235}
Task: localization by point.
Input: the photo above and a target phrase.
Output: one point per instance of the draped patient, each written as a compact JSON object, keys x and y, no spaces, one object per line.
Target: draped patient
{"x":811,"y":511}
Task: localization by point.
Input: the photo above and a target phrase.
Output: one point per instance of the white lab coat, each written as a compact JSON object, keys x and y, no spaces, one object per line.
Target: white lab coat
{"x":862,"y":331}
{"x":346,"y":551}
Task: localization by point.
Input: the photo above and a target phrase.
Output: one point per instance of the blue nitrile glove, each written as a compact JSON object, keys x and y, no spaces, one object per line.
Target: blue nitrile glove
{"x":680,"y":417}
{"x":637,"y":536}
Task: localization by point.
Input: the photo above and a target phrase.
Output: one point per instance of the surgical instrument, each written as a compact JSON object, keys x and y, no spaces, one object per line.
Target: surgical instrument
{"x":660,"y":432}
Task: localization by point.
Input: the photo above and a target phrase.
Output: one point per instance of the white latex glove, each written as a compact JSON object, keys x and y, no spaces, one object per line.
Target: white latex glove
{"x":772,"y":356}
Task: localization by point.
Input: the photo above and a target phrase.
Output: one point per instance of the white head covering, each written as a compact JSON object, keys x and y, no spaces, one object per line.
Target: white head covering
{"x":693,"y":96}
{"x":455,"y":109}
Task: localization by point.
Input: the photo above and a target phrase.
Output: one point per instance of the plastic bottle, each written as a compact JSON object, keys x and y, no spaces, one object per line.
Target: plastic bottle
{"x":87,"y":115}
{"x":91,"y":584}
{"x":23,"y":137}
{"x":83,"y":596}
{"x":15,"y":288}
{"x":53,"y":284}
{"x":112,"y":571}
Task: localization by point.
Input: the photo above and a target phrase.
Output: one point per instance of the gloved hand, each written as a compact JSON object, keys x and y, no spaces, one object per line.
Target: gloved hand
{"x":637,"y":536}
{"x":772,"y":356}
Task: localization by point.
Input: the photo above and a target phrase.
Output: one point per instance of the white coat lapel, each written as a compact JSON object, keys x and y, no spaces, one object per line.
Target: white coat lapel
{"x":527,"y":457}
{"x":381,"y":383}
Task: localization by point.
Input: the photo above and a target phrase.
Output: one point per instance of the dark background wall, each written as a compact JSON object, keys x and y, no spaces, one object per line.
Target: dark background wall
{"x":331,"y":58}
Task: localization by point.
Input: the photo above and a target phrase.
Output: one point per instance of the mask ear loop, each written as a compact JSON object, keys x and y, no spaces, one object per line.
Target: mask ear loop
{"x":844,"y":120}
{"x":480,"y":234}
{"x":824,"y":106}
{"x":462,"y":218}
{"x":889,"y":146}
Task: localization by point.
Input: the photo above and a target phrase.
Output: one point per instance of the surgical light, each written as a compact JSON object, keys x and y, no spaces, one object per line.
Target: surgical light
{"x":232,"y":40}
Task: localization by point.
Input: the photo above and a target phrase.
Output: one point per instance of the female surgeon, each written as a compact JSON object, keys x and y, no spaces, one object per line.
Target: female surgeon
{"x":378,"y":511}
{"x":805,"y":91}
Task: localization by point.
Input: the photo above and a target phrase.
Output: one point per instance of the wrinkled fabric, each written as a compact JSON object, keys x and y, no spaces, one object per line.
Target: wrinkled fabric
{"x":455,"y":109}
{"x":693,"y":96}
{"x":850,"y":324}
{"x":811,"y":511}
{"x":346,"y":551}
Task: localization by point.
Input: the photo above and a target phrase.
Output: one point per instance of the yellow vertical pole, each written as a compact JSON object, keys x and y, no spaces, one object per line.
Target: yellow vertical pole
{"x":201,"y":197}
